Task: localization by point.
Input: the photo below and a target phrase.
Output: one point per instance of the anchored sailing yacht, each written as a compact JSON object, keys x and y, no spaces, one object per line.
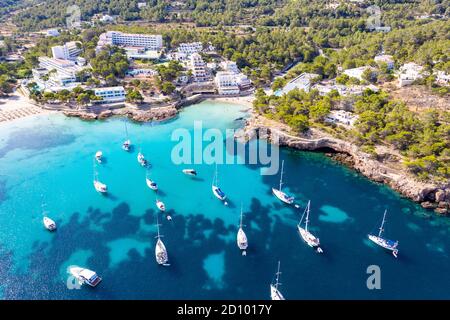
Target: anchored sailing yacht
{"x":309,"y":238}
{"x":383,"y":242}
{"x":84,"y":275}
{"x":151,"y":184}
{"x":98,"y":156}
{"x":141,"y":159}
{"x":127,"y":143}
{"x":161,"y":206}
{"x":160,"y":249}
{"x":215,"y":188}
{"x":241,"y":238}
{"x":280,"y":194}
{"x":275,"y":294}
{"x":49,"y":224}
{"x":190,"y":172}
{"x":100,"y":187}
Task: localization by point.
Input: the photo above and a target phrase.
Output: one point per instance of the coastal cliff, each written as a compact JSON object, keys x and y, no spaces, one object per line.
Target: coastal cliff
{"x":429,"y":195}
{"x":153,"y":114}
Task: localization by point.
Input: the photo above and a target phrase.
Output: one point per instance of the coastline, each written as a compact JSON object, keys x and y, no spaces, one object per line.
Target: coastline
{"x":429,"y":195}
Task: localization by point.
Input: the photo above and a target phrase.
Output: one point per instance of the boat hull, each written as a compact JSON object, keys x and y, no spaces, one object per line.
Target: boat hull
{"x":152,"y":185}
{"x":242,"y":241}
{"x":384,"y":243}
{"x":308,"y":237}
{"x":275,"y":294}
{"x":283,"y":196}
{"x":161,"y":253}
{"x":219,"y":194}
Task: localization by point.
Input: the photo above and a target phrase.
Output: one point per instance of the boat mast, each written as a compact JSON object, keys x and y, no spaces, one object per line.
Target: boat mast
{"x":157,"y":226}
{"x":307,"y":216}
{"x":382,"y":224}
{"x":240,"y":223}
{"x":281,"y":176}
{"x":126,"y":129}
{"x":277,"y":283}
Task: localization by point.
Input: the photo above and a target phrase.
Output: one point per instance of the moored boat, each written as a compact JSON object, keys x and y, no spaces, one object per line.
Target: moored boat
{"x":49,"y":224}
{"x":84,"y":275}
{"x":275,"y":293}
{"x":279,"y":193}
{"x":306,"y":235}
{"x":383,"y":242}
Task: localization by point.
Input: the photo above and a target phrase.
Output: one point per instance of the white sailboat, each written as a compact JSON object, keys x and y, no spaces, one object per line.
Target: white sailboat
{"x":99,"y":156}
{"x":160,"y":205}
{"x":99,"y":187}
{"x":141,"y":159}
{"x":150,"y":183}
{"x":383,"y":242}
{"x":275,"y":294}
{"x":127,"y":143}
{"x":190,"y":172}
{"x":307,"y":236}
{"x":215,"y":188}
{"x":279,"y":193}
{"x":160,"y":249}
{"x":84,"y":275}
{"x":49,"y":224}
{"x":241,"y":238}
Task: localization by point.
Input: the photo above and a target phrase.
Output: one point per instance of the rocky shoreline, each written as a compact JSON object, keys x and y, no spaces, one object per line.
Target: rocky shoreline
{"x":152,"y":114}
{"x":429,"y":195}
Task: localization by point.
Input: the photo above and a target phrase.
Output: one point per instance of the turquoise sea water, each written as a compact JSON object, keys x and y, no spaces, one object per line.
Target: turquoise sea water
{"x":49,"y":159}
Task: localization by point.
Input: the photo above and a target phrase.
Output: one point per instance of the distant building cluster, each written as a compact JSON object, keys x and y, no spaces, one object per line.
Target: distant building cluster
{"x":341,"y":117}
{"x":409,"y":73}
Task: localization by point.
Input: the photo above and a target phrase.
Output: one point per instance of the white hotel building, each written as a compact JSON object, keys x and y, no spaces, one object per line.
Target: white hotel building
{"x":68,"y":51}
{"x":147,"y":41}
{"x":226,"y":83}
{"x":62,"y":72}
{"x":190,"y":48}
{"x":198,"y":67}
{"x":110,"y":94}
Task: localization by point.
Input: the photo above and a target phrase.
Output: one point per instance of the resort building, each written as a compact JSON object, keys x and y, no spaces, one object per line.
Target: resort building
{"x":229,"y":66}
{"x":190,"y":48}
{"x":147,"y":41}
{"x":146,"y":72}
{"x":385,"y":58}
{"x":409,"y":73}
{"x":243,"y":81}
{"x":357,"y":72}
{"x":69,"y":51}
{"x":52,"y":33}
{"x":110,"y":94}
{"x":226,"y":83}
{"x":141,"y":53}
{"x":302,"y":82}
{"x":343,"y":90}
{"x":341,"y":117}
{"x":442,"y":78}
{"x":61,"y":73}
{"x":198,"y":67}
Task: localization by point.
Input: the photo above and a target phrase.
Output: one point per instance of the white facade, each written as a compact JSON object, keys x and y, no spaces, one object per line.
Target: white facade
{"x":302,"y":82}
{"x":409,"y":73}
{"x":356,"y":72}
{"x":385,"y":58}
{"x":442,"y":78}
{"x":68,"y":51}
{"x":343,"y":90}
{"x":190,"y":48}
{"x":226,"y":83}
{"x":111,"y":94}
{"x":142,"y":72}
{"x":147,"y":41}
{"x":341,"y":117}
{"x":198,"y":68}
{"x":62,"y":72}
{"x":229,"y":66}
{"x":52,"y":33}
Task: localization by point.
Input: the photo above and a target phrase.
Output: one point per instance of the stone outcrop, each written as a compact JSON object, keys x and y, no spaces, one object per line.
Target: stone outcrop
{"x":431,"y":196}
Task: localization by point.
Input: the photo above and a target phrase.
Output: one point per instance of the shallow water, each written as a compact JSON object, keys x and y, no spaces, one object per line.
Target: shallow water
{"x":49,"y":159}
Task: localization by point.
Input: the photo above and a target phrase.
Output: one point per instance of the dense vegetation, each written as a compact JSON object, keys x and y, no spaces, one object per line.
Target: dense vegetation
{"x":424,"y":141}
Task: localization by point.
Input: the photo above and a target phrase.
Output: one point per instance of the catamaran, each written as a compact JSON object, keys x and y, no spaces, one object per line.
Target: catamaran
{"x":98,"y":156}
{"x":49,"y":224}
{"x":190,"y":172}
{"x":215,"y":188}
{"x":383,"y":242}
{"x":309,"y":238}
{"x":280,"y":194}
{"x":127,"y":143}
{"x":241,"y":238}
{"x":275,"y":294}
{"x":160,"y":249}
{"x":151,"y":184}
{"x":160,"y":205}
{"x":100,"y":187}
{"x":84,"y":275}
{"x":141,"y":159}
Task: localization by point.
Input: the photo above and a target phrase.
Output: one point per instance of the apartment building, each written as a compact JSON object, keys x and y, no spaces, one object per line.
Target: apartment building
{"x":110,"y":94}
{"x":226,"y":83}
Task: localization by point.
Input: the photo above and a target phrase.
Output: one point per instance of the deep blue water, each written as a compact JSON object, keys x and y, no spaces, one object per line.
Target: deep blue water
{"x":49,"y":159}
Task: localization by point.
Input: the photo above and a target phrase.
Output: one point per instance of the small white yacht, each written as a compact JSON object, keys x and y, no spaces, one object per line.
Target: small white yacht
{"x":99,"y":156}
{"x":100,"y":187}
{"x":190,"y":172}
{"x":141,"y":159}
{"x":160,"y":249}
{"x":49,"y":224}
{"x":151,"y":184}
{"x":215,"y":188}
{"x":275,"y":294}
{"x":160,"y":205}
{"x":307,"y":236}
{"x":279,"y":193}
{"x":383,"y":242}
{"x":241,"y":237}
{"x":84,"y":275}
{"x":126,"y":145}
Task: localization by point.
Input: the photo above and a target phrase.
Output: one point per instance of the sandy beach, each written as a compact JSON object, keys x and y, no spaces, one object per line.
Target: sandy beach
{"x":17,"y":106}
{"x":245,"y":101}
